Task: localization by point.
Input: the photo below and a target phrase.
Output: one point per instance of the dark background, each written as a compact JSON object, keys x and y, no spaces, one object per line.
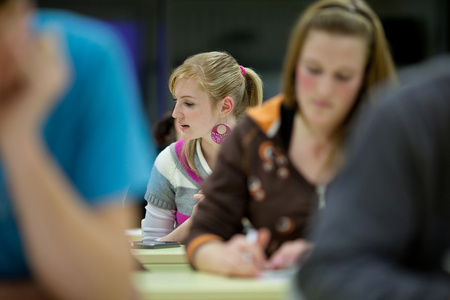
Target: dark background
{"x":160,"y":34}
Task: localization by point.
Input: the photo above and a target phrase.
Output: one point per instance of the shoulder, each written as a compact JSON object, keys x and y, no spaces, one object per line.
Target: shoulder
{"x":419,"y":103}
{"x":266,"y":115}
{"x":243,"y":134}
{"x":92,"y":45}
{"x":103,"y":88}
{"x":245,"y":126}
{"x":423,"y":88}
{"x":75,"y":26}
{"x":168,"y":160}
{"x":410,"y":117}
{"x":165,"y":165}
{"x":166,"y":156}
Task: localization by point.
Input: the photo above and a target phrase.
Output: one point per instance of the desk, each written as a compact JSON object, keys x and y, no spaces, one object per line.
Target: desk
{"x":134,"y":235}
{"x":174,"y":255}
{"x":183,"y":283}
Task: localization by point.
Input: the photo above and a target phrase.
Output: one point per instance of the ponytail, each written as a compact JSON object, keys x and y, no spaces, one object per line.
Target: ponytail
{"x":252,"y":94}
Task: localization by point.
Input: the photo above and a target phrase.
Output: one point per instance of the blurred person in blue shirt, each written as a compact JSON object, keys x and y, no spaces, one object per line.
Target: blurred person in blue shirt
{"x":73,"y":146}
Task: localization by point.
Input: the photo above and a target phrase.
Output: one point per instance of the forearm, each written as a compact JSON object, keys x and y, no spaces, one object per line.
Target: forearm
{"x":208,"y":258}
{"x":236,"y":257}
{"x":180,"y":233}
{"x":72,"y":251}
{"x":157,"y":223}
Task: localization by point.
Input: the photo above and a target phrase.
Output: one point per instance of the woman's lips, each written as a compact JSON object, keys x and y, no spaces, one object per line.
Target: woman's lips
{"x":322,"y":103}
{"x":184,"y":127}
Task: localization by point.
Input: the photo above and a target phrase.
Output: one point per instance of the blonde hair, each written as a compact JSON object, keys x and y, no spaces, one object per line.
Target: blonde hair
{"x":345,"y":17}
{"x":219,"y":74}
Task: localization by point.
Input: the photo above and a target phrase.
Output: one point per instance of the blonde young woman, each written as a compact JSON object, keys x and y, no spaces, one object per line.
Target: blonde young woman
{"x":268,"y":170}
{"x":211,"y":91}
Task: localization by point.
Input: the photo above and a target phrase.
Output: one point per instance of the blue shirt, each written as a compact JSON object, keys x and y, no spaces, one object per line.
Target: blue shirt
{"x":97,"y":133}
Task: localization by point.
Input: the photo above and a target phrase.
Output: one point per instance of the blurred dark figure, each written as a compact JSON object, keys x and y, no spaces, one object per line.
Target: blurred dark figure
{"x":165,"y":132}
{"x":386,"y":231}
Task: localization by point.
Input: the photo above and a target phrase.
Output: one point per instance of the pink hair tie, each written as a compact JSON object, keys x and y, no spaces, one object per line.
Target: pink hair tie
{"x":243,"y":70}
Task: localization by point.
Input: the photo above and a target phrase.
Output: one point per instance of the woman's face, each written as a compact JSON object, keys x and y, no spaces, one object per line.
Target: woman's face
{"x":329,"y":74}
{"x":194,"y":114}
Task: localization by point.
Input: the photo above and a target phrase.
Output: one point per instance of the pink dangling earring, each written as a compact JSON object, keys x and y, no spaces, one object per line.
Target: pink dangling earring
{"x":217,"y":136}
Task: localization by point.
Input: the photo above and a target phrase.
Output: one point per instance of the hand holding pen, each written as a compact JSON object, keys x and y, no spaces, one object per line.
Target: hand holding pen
{"x":289,"y":254}
{"x":246,"y":254}
{"x":240,"y":256}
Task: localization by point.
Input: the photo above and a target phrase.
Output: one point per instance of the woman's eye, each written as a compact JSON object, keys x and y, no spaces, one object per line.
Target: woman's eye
{"x":314,"y":71}
{"x":189,"y":104}
{"x":341,"y":77}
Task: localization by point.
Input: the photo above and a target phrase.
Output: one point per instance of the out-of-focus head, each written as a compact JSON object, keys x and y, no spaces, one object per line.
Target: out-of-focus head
{"x":329,"y":76}
{"x":14,"y":20}
{"x":346,"y":18}
{"x":164,"y":131}
{"x":15,"y":38}
{"x":220,"y":76}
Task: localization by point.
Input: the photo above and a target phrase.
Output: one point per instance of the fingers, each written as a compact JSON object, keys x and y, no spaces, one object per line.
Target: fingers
{"x":47,"y":62}
{"x":289,"y":254}
{"x":263,"y":237}
{"x":241,"y":265}
{"x":244,"y":259}
{"x":199,"y":196}
{"x":40,"y":78}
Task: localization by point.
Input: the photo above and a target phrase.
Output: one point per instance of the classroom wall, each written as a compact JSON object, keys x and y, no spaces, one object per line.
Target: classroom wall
{"x":164,"y":32}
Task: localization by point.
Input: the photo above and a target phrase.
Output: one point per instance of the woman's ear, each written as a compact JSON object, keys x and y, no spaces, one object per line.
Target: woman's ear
{"x":227,"y":106}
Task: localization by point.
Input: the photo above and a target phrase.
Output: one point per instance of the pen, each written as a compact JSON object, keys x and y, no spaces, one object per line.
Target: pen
{"x":251,"y":236}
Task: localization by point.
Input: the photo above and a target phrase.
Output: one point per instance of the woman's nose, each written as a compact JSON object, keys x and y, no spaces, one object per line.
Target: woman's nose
{"x":325,"y":86}
{"x":176,"y":113}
